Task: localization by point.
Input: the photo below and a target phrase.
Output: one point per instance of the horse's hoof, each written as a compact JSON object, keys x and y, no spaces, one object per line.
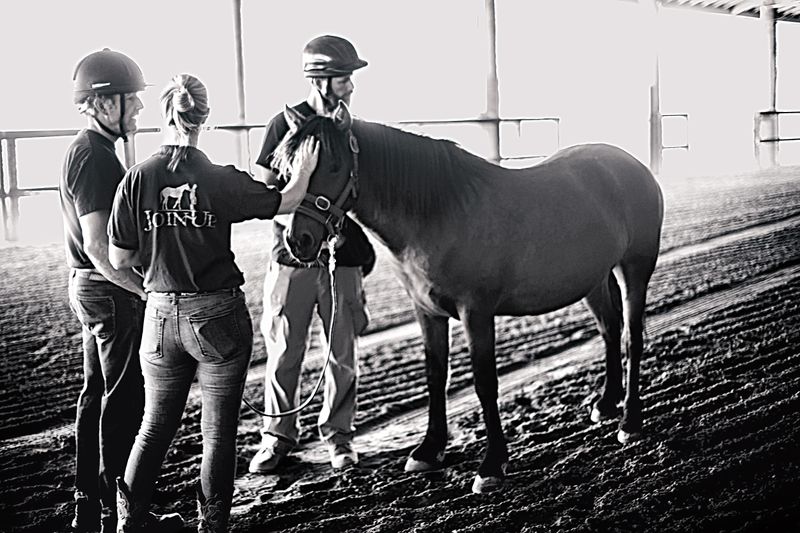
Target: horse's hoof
{"x":485,"y":485}
{"x":624,"y":437}
{"x":416,"y":465}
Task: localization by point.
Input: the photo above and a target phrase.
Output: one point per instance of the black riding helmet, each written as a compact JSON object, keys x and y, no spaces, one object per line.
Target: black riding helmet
{"x":104,"y":73}
{"x":329,"y":56}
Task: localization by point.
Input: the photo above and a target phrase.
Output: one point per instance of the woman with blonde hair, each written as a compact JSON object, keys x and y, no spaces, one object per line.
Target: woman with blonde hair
{"x":172,"y":216}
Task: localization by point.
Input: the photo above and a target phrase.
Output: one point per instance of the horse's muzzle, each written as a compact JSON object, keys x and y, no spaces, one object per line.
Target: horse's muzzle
{"x":303,"y":246}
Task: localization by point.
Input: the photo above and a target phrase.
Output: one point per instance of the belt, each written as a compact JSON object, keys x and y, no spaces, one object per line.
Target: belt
{"x":88,"y":273}
{"x":232,"y":291}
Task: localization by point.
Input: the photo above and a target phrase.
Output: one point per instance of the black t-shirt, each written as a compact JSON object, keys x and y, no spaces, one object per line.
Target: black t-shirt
{"x":89,"y":178}
{"x":356,"y":250}
{"x":180,"y":222}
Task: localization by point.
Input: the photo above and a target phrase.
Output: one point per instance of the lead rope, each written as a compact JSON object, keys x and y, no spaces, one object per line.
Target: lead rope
{"x":331,"y":268}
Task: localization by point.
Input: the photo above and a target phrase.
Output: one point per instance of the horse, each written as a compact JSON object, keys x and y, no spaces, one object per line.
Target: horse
{"x":177,"y":193}
{"x":471,"y":239}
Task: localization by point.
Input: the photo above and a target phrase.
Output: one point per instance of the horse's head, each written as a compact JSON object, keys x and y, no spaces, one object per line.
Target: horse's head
{"x":333,"y":186}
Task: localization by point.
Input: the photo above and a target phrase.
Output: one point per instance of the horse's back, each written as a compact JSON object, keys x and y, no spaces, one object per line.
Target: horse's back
{"x":617,"y":181}
{"x":561,"y":227}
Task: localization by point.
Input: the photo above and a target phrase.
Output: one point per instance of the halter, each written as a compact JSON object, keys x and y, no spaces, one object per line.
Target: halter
{"x":331,"y":214}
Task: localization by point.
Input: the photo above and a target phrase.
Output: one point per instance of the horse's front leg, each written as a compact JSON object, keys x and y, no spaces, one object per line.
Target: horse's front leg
{"x":429,"y":455}
{"x":479,"y":330}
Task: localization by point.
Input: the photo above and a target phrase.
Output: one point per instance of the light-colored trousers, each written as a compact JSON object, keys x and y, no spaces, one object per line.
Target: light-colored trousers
{"x":290,"y":297}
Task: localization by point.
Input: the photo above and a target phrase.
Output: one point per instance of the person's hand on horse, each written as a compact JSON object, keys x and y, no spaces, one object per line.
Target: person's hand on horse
{"x":305,"y":159}
{"x":303,"y":165}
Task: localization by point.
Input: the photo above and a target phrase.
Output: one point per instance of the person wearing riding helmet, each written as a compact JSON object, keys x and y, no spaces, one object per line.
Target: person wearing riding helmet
{"x":292,"y":289}
{"x":108,"y":302}
{"x":172,"y":215}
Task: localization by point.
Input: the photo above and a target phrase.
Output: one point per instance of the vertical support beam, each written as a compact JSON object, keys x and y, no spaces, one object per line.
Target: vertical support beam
{"x":656,"y":127}
{"x":242,"y":136}
{"x":492,"y":85}
{"x":768,"y":151}
{"x":3,"y":192}
{"x":130,"y":150}
{"x":13,"y":190}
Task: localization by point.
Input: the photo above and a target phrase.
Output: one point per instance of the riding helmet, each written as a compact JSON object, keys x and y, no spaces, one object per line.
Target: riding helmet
{"x":106,"y":72}
{"x":330,"y":56}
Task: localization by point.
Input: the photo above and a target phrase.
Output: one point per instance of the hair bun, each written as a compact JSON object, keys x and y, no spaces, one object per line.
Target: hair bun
{"x":182,"y":100}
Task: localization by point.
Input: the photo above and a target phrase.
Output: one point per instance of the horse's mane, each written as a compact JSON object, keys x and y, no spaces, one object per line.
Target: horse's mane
{"x":332,"y":142}
{"x":432,"y":176}
{"x":422,"y":177}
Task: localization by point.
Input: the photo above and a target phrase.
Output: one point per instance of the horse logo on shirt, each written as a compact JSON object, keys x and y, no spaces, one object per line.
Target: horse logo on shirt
{"x":173,"y":214}
{"x":168,"y":193}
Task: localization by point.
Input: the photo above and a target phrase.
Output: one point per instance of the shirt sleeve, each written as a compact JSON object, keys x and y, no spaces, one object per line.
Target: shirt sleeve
{"x":276,"y":130}
{"x":250,"y":198}
{"x":90,"y":188}
{"x":356,"y":250}
{"x":122,"y":230}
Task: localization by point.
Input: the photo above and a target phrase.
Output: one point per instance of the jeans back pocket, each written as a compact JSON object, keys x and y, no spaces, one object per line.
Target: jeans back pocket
{"x":219,"y":337}
{"x":96,"y":313}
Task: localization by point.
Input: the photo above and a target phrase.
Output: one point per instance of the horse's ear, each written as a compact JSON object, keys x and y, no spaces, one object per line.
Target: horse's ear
{"x":342,"y":117}
{"x":293,"y":118}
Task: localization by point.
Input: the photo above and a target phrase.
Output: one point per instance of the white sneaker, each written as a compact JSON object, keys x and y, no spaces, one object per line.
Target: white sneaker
{"x":342,"y":455}
{"x":270,"y":456}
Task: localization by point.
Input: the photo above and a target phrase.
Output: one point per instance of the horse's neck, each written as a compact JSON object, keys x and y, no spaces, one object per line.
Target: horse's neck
{"x":399,"y":218}
{"x":398,"y":230}
{"x":391,"y":232}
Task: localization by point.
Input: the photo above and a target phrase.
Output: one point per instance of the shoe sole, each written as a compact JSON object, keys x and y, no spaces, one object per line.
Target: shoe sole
{"x":262,"y":470}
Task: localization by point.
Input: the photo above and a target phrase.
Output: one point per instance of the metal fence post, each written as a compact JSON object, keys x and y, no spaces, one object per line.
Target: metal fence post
{"x":3,"y":205}
{"x":13,"y":190}
{"x":130,"y":150}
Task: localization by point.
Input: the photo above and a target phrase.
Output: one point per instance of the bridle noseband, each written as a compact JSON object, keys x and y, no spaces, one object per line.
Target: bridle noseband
{"x":331,"y":214}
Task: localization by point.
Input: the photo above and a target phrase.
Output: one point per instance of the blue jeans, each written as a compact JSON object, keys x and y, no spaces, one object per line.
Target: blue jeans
{"x":205,"y":334}
{"x":109,"y":409}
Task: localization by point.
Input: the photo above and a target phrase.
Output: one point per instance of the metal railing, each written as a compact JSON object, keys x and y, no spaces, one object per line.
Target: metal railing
{"x":767,"y":137}
{"x":496,"y":123}
{"x":11,"y":192}
{"x":680,"y":146}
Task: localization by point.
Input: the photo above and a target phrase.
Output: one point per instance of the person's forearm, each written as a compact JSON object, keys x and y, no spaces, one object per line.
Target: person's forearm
{"x":293,"y":195}
{"x":124,"y":277}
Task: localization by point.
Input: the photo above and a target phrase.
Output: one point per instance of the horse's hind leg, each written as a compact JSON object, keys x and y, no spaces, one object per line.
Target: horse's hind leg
{"x":429,"y":455}
{"x":605,"y":304}
{"x":635,"y":275}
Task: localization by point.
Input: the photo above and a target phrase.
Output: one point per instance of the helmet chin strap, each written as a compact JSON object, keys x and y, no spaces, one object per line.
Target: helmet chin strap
{"x":121,"y":133}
